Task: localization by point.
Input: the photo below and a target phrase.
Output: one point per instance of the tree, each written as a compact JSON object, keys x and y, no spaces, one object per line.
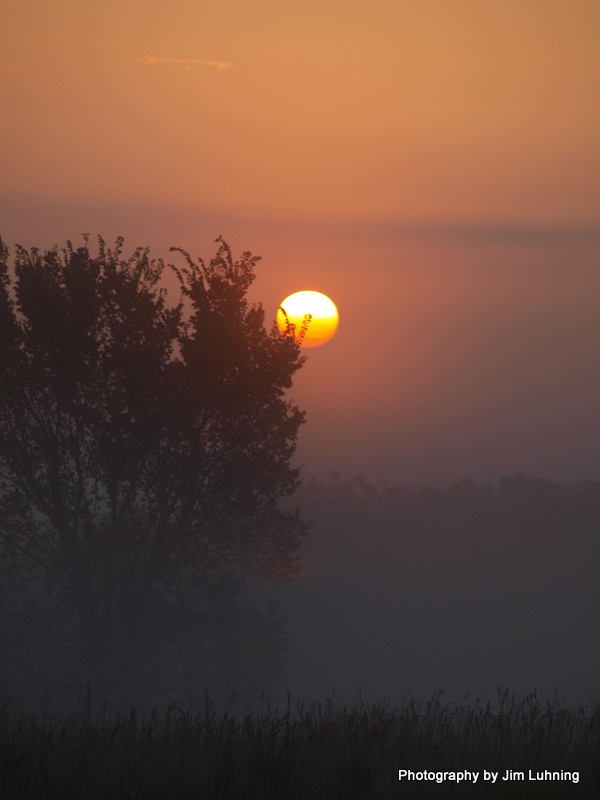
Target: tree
{"x":144,"y":449}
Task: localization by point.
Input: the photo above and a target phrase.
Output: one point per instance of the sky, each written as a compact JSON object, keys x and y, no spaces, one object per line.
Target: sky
{"x":432,"y":166}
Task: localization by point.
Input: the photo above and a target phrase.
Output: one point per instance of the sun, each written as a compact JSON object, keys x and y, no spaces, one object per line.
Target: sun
{"x":311,"y":318}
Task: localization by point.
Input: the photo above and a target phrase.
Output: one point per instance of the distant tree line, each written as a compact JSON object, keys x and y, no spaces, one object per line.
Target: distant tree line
{"x":516,"y":505}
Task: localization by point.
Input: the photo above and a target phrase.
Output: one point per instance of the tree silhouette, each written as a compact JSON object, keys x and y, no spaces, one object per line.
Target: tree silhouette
{"x":144,"y":449}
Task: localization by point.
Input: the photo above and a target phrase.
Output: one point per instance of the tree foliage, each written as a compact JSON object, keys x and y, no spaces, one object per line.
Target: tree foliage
{"x":144,"y":449}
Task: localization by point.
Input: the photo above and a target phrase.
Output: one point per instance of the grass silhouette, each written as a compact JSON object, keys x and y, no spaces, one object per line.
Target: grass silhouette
{"x":321,"y":750}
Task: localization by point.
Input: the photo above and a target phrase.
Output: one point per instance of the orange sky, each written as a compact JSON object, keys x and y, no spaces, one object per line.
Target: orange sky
{"x":433,"y":166}
{"x":411,"y":109}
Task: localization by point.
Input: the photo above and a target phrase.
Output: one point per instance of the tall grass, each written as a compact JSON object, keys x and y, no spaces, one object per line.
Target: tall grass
{"x":317,"y":752}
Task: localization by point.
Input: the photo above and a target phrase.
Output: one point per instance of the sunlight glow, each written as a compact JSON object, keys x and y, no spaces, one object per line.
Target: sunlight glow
{"x":311,"y":318}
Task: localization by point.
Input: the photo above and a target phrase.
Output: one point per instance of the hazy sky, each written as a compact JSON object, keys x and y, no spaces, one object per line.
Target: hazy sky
{"x":432,"y":166}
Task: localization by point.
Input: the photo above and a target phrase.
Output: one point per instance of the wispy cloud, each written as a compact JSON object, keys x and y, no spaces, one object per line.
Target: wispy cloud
{"x":186,"y":63}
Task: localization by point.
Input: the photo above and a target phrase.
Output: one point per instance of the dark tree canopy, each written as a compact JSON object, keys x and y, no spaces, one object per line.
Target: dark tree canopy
{"x":144,"y":449}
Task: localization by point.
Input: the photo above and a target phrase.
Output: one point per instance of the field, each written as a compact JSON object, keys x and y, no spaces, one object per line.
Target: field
{"x":317,"y":752}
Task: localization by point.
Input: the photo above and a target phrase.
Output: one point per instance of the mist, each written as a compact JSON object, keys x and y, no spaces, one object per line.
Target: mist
{"x":465,"y":590}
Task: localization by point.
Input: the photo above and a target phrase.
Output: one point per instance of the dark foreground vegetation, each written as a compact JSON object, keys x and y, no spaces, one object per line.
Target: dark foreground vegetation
{"x":324,"y":751}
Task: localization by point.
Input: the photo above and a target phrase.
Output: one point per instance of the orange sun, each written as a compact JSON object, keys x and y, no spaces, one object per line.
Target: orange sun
{"x":311,"y":318}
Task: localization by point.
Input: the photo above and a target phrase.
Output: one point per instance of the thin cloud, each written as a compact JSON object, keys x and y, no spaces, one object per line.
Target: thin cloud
{"x":186,"y":63}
